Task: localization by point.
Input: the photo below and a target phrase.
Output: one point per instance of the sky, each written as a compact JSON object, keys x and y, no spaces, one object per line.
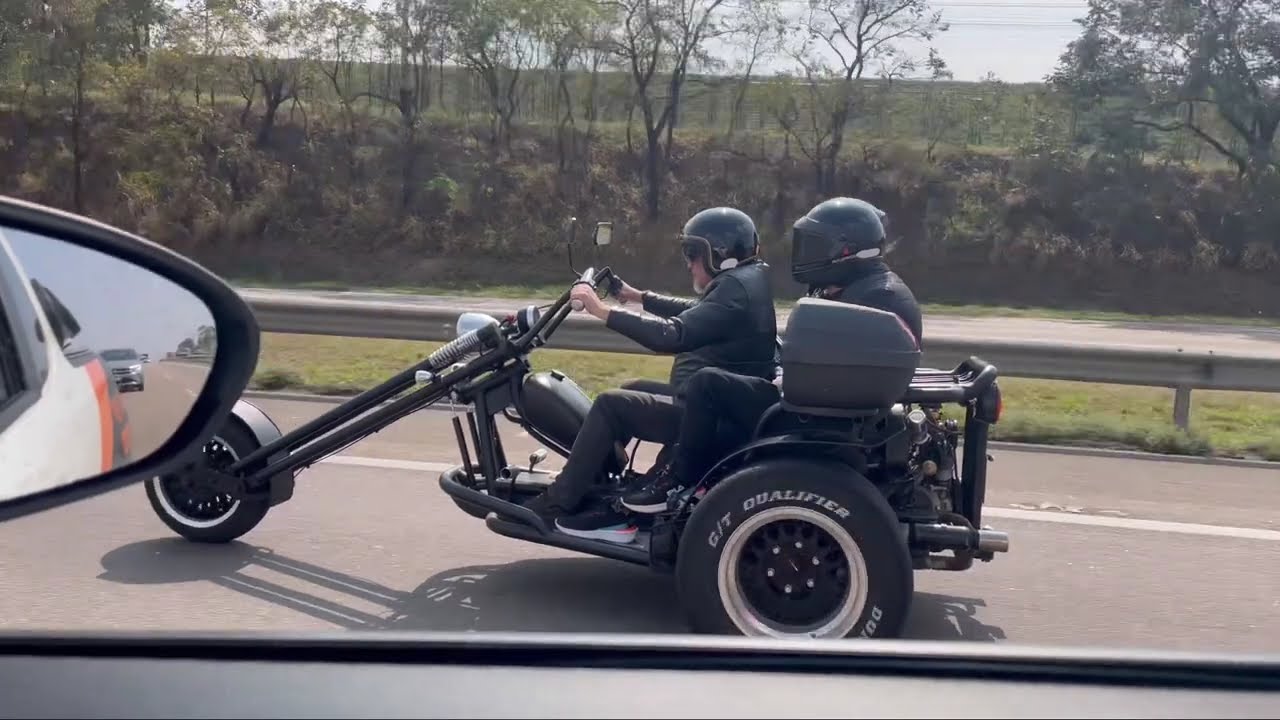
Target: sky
{"x":1018,"y":40}
{"x":117,"y":304}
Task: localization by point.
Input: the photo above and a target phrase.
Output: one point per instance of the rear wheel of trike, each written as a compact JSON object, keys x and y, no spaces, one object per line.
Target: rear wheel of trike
{"x":202,"y":514}
{"x":795,"y":549}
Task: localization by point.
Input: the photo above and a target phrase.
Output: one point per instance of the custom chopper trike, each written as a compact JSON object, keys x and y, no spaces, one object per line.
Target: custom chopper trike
{"x":811,"y":529}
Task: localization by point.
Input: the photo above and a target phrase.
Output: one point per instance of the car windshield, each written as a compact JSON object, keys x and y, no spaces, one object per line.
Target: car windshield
{"x":1028,"y":383}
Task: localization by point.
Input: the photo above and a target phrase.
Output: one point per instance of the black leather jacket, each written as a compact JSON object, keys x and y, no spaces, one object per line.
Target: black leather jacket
{"x":733,"y":326}
{"x":874,"y":285}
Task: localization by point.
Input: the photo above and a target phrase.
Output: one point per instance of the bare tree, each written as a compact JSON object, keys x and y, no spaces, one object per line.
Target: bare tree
{"x":661,"y":36}
{"x":497,"y":40}
{"x":939,"y":112}
{"x":270,"y":65}
{"x":760,"y":30}
{"x":864,"y":37}
{"x":338,"y":32}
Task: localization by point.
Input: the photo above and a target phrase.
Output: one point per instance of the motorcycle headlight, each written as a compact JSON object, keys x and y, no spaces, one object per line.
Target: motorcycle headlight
{"x":472,"y":321}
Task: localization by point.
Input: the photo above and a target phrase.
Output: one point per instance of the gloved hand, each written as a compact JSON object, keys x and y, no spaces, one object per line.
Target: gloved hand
{"x":622,"y":292}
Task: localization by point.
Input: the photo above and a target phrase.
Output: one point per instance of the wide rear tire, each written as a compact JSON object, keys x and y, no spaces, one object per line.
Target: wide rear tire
{"x":795,"y":548}
{"x":200,"y":514}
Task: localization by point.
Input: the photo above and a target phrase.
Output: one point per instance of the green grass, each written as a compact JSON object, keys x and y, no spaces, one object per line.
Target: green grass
{"x":1227,"y":424}
{"x":548,"y":292}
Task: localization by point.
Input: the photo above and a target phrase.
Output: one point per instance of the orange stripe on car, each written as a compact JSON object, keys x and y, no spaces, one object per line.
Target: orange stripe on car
{"x":106,"y":424}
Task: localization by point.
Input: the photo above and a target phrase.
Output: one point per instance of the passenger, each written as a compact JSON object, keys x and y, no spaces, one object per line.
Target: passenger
{"x":837,"y":249}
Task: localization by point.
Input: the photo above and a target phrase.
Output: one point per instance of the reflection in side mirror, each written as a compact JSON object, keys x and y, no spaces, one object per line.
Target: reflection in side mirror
{"x":470,"y":321}
{"x":603,"y":234}
{"x":76,"y":328}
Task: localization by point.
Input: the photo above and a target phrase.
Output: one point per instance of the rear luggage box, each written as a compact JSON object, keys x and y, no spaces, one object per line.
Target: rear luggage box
{"x":840,"y":356}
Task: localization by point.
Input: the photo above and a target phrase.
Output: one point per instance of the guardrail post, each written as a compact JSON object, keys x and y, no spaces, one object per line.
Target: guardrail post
{"x":1182,"y":407}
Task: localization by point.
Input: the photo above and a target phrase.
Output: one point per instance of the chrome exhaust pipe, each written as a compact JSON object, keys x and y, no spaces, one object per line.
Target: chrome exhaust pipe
{"x":993,"y":541}
{"x":957,"y":537}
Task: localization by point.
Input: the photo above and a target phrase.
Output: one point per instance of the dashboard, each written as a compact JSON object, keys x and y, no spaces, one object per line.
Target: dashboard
{"x":434,"y":675}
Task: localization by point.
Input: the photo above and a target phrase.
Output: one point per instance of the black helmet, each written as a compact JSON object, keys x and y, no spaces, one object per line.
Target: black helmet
{"x":834,"y":235}
{"x":721,"y":238}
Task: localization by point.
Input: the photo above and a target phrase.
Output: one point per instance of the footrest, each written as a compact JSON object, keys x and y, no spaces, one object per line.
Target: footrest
{"x":449,"y":482}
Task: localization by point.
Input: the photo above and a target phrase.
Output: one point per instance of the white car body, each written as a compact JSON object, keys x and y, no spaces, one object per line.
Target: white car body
{"x":67,"y":423}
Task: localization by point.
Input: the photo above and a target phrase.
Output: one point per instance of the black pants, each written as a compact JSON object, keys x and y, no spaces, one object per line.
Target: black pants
{"x":721,"y":411}
{"x":616,"y":416}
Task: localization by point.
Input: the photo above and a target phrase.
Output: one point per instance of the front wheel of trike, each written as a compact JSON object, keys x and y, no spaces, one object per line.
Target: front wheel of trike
{"x":794,"y":548}
{"x":202,"y":514}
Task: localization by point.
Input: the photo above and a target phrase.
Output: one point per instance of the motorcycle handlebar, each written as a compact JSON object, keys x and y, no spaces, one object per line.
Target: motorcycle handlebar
{"x":588,"y":277}
{"x":548,"y":323}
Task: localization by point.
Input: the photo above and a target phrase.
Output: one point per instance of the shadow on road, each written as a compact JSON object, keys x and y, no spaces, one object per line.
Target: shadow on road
{"x":544,"y":595}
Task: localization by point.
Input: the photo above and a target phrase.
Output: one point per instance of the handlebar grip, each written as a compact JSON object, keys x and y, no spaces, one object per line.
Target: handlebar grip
{"x":615,"y":286}
{"x":576,"y":305}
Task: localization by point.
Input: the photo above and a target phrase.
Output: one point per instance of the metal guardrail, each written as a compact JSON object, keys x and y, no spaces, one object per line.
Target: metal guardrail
{"x":1181,"y":371}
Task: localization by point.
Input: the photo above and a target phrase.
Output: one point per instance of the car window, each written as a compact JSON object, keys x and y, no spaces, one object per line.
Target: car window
{"x":12,"y":381}
{"x":23,"y":358}
{"x":119,"y":355}
{"x":65,"y":325}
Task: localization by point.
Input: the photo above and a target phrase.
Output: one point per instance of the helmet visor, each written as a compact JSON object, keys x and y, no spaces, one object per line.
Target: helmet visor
{"x":810,"y":246}
{"x":694,"y":248}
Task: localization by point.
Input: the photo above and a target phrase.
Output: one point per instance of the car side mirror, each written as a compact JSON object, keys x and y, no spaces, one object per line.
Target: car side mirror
{"x":83,"y":306}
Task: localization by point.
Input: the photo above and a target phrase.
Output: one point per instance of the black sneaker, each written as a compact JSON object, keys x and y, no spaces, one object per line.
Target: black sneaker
{"x":651,"y":497}
{"x":543,"y":507}
{"x":602,"y":523}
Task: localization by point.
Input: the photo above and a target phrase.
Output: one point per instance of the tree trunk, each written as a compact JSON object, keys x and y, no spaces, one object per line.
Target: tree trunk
{"x":77,"y":140}
{"x":652,"y":174}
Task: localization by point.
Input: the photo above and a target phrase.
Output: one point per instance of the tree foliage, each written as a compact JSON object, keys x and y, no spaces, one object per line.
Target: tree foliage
{"x":1172,"y":66}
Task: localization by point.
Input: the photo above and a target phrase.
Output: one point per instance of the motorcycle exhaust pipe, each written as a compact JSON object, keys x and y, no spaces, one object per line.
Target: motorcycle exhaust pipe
{"x":957,"y":537}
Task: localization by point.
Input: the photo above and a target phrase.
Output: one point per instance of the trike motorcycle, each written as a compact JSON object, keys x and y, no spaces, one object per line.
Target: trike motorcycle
{"x":813,"y":528}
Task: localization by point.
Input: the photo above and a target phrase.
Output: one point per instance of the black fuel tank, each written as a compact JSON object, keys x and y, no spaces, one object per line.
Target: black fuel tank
{"x":555,"y":406}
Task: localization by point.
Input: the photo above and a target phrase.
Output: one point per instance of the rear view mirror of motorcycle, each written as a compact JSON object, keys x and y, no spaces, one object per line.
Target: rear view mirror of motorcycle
{"x":603,"y":234}
{"x":119,"y":359}
{"x":570,"y":233}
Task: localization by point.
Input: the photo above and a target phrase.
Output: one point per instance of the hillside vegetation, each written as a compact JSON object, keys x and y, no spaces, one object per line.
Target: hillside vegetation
{"x":445,"y":141}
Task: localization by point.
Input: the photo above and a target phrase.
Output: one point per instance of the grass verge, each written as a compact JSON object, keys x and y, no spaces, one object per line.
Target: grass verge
{"x":1227,"y":424}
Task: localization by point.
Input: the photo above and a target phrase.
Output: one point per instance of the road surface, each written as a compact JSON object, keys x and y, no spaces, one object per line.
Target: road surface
{"x":170,"y":390}
{"x":1104,"y":552}
{"x":1191,"y":337}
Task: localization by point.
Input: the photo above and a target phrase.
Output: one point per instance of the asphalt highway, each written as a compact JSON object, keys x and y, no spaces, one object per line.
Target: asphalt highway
{"x":1105,"y":551}
{"x":170,"y":389}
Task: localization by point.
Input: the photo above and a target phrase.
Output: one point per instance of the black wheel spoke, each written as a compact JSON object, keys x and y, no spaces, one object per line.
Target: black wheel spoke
{"x":793,"y":573}
{"x":201,"y":503}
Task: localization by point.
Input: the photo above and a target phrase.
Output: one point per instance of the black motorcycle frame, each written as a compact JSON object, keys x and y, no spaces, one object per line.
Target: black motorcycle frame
{"x":502,"y":355}
{"x":491,"y":384}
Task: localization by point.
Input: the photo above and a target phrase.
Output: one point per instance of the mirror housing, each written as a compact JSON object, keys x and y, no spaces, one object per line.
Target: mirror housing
{"x":232,"y":362}
{"x":603,"y":234}
{"x":471,"y":321}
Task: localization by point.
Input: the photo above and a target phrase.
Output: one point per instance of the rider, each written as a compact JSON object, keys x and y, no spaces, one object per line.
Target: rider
{"x":837,"y":250}
{"x":731,"y":325}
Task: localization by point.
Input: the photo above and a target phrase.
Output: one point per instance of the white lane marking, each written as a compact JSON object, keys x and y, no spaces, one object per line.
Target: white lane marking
{"x":1165,"y":526}
{"x":388,"y":463}
{"x":1161,"y":526}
